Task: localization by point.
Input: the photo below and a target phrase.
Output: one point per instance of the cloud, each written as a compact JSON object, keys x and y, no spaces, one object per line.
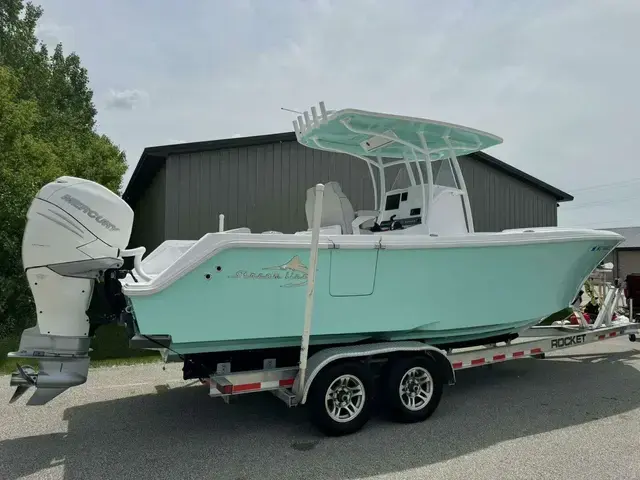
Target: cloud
{"x":539,"y":74}
{"x":555,"y":78}
{"x":51,"y":34}
{"x":125,"y":99}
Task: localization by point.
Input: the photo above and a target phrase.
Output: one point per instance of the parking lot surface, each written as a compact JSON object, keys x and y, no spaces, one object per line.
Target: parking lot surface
{"x":574,"y":415}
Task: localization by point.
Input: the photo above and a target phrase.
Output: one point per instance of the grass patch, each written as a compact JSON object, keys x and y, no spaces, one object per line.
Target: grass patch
{"x":7,"y":345}
{"x":112,"y":343}
{"x":110,"y":347}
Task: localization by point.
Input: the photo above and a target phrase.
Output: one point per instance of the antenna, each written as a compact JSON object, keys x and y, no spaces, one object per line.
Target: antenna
{"x":289,"y":110}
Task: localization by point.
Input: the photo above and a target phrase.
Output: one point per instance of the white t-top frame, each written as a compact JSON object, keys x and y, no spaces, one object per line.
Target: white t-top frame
{"x":315,"y":130}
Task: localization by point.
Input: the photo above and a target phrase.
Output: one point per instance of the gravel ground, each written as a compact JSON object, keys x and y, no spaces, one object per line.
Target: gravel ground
{"x":571,"y":416}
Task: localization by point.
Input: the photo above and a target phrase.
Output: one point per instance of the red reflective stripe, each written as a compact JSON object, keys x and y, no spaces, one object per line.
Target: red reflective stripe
{"x":477,"y":361}
{"x":518,"y":354}
{"x":457,"y":365}
{"x":536,"y":350}
{"x":499,"y":357}
{"x":247,"y":386}
{"x":613,"y":334}
{"x":228,"y":389}
{"x":225,"y":389}
{"x":600,"y":337}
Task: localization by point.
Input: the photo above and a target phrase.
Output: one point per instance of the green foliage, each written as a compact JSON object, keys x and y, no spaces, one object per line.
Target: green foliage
{"x":112,"y":341}
{"x":47,"y":120}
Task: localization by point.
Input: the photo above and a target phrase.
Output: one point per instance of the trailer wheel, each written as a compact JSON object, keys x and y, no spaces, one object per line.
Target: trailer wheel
{"x":339,"y":399}
{"x":412,"y":389}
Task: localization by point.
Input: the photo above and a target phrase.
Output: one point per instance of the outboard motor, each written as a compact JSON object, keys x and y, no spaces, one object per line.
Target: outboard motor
{"x":74,"y":234}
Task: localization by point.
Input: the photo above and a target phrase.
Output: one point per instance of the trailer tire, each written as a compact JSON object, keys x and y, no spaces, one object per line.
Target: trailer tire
{"x":340,"y":382}
{"x":409,"y":378}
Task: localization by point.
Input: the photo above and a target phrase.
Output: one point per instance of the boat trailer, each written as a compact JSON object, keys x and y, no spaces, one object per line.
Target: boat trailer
{"x":336,"y":383}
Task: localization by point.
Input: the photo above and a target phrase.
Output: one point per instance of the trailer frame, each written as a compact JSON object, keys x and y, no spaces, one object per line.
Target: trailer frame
{"x":285,"y":381}
{"x":410,"y":371}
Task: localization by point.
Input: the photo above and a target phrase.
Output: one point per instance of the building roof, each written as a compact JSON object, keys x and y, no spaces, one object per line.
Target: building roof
{"x":153,"y":158}
{"x":631,"y":235}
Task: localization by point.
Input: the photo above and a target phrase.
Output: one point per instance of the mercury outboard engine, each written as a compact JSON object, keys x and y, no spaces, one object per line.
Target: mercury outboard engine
{"x":75,"y":232}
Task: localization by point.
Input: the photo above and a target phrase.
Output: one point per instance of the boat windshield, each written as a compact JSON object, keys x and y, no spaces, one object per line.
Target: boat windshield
{"x":442,"y":175}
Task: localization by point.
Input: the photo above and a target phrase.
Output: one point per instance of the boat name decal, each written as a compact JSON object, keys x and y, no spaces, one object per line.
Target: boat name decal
{"x":89,"y":212}
{"x":567,"y":341}
{"x":294,"y":273}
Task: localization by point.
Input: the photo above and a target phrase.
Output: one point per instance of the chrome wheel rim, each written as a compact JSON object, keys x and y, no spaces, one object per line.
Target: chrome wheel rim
{"x":416,"y":388}
{"x":345,"y":398}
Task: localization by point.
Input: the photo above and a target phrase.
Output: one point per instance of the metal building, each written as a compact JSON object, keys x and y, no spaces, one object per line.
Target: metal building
{"x":178,"y":191}
{"x":626,"y":257}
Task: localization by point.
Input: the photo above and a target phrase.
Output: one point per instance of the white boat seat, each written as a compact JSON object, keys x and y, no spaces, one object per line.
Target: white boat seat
{"x":336,"y":209}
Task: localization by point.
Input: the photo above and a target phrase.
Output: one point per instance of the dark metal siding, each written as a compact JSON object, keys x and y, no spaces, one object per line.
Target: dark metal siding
{"x":149,"y":214}
{"x":264,"y":188}
{"x":499,"y":201}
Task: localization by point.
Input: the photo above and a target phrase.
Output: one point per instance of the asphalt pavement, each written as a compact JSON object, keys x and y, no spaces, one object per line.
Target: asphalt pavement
{"x":574,"y":415}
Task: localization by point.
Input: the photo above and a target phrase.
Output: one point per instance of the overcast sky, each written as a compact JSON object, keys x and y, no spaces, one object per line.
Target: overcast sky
{"x":558,"y":80}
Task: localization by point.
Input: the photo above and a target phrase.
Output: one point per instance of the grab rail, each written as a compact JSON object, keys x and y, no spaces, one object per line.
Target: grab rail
{"x":137,"y":254}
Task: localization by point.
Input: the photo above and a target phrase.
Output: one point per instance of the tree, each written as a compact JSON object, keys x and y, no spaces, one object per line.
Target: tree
{"x":47,"y":129}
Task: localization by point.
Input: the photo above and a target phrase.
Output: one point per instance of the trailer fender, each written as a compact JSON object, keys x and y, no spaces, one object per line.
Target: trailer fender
{"x":444,"y":364}
{"x":325,"y":357}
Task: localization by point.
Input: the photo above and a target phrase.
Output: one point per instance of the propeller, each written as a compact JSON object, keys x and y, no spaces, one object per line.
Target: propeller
{"x":28,"y":374}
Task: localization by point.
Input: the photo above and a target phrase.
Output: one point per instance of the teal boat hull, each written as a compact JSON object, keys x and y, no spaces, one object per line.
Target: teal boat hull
{"x":254,"y":298}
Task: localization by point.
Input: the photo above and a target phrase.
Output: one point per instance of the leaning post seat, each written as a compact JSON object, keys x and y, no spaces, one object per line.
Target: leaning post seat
{"x":337,"y":210}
